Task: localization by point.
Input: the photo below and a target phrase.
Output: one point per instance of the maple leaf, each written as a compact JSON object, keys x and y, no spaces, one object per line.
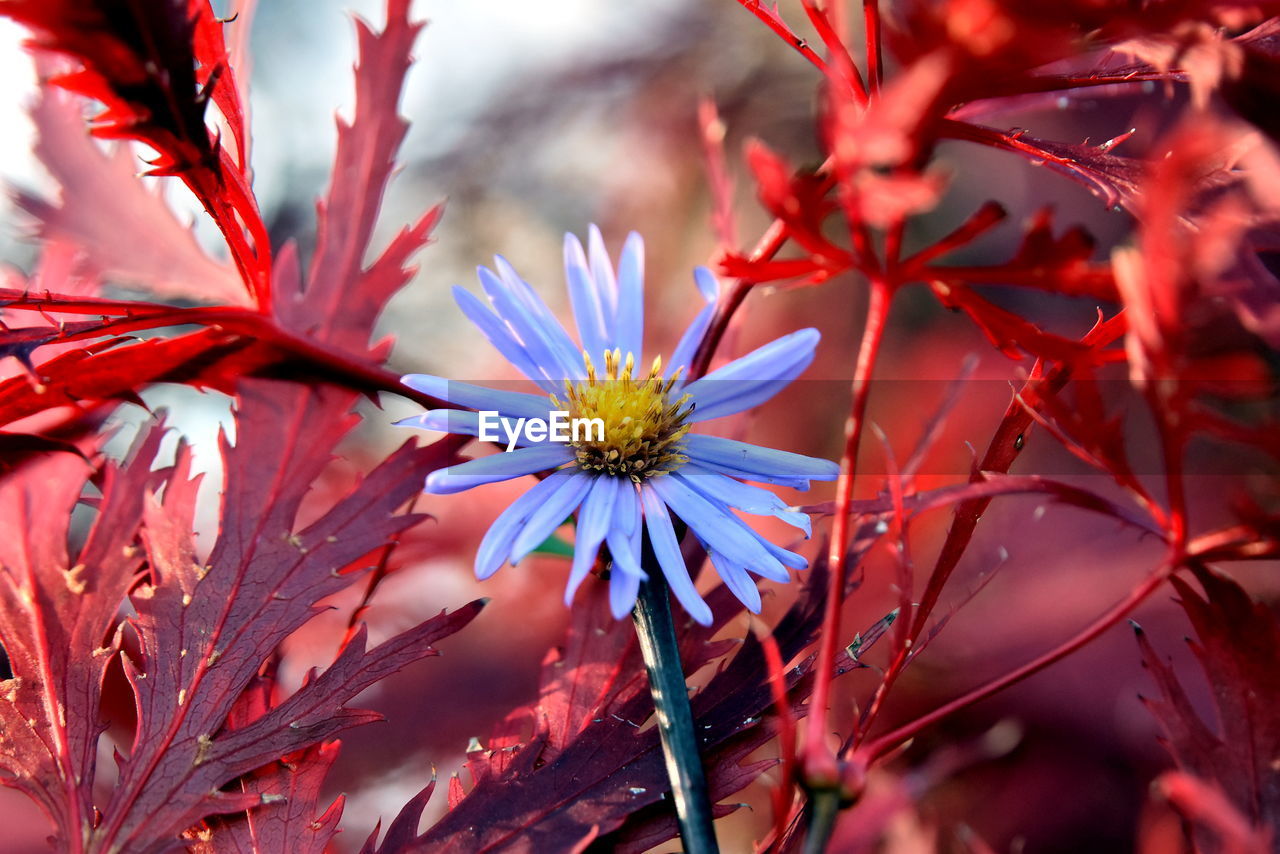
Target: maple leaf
{"x":205,"y":626}
{"x":128,"y":233}
{"x":1239,"y":650}
{"x":335,"y":306}
{"x":587,"y":771}
{"x":57,"y":612}
{"x":290,"y":819}
{"x":155,"y":78}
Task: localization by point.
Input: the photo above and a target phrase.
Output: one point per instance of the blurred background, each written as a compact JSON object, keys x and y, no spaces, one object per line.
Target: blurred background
{"x":537,"y":119}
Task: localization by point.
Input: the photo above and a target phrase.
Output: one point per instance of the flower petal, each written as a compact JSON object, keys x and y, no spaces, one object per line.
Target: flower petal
{"x":606,"y":283}
{"x":467,"y":423}
{"x":737,"y":580}
{"x":583,"y":296}
{"x":755,"y":462}
{"x":626,"y":513}
{"x":499,"y":335}
{"x":625,"y":551}
{"x":683,"y":355}
{"x":754,"y":378}
{"x":714,"y":524}
{"x":554,"y":331}
{"x":513,"y":404}
{"x":551,"y":515}
{"x":496,"y":544}
{"x":593,"y":526}
{"x":748,"y":499}
{"x":497,"y":467}
{"x":708,"y":284}
{"x":667,"y":550}
{"x":529,"y":329}
{"x":623,"y":587}
{"x":629,"y":328}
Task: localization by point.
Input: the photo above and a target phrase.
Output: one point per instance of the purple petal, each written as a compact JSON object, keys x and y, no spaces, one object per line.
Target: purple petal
{"x":499,"y":335}
{"x":497,"y":467}
{"x":513,"y":404}
{"x":606,"y":283}
{"x":629,"y":328}
{"x":593,"y":526}
{"x":585,"y":299}
{"x":754,"y":378}
{"x":496,"y":544}
{"x":738,"y":581}
{"x":529,"y":329}
{"x":714,"y":524}
{"x":551,"y":515}
{"x":623,"y":587}
{"x":755,"y":462}
{"x":667,"y":550}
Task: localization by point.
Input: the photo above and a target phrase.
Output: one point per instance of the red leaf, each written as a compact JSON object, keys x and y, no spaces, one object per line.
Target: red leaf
{"x":608,"y":775}
{"x":128,"y":232}
{"x":1239,"y":650}
{"x":261,"y":581}
{"x":1011,"y":334}
{"x":342,"y":299}
{"x":1061,"y":265}
{"x":141,"y":63}
{"x":1206,"y":805}
{"x":290,"y":819}
{"x":57,"y":611}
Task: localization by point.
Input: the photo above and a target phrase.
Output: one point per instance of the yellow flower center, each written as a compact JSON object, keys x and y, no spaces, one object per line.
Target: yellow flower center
{"x":642,"y":426}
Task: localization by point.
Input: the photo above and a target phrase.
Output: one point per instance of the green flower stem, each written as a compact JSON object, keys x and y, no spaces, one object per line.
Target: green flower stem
{"x":823,"y":809}
{"x":657,"y":634}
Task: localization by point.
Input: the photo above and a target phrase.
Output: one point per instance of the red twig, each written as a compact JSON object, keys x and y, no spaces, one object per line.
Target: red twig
{"x":897,"y":737}
{"x":718,"y":180}
{"x":875,"y":59}
{"x":771,"y":19}
{"x":819,"y":759}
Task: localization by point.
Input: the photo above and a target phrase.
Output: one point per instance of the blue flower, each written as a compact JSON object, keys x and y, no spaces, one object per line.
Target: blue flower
{"x":643,"y":468}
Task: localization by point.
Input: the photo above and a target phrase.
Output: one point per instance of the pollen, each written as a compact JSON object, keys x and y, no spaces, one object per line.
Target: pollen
{"x":643,"y":425}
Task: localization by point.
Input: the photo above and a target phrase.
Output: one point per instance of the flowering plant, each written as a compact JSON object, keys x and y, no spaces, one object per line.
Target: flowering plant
{"x":645,"y":461}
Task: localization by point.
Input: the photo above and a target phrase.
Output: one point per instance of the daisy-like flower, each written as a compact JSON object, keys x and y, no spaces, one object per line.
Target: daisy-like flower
{"x":648,"y":468}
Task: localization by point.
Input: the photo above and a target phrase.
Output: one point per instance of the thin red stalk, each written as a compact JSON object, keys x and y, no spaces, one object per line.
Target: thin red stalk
{"x":717,"y":174}
{"x":1172,"y":444}
{"x":1001,"y":452}
{"x":784,"y":32}
{"x":846,"y":70}
{"x":875,"y":61}
{"x":769,"y":245}
{"x":902,"y":637}
{"x":819,"y":759}
{"x":892,"y":740}
{"x":982,"y":220}
{"x":782,"y":794}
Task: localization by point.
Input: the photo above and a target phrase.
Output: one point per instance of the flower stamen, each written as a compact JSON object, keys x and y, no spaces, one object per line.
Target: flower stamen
{"x":643,"y":427}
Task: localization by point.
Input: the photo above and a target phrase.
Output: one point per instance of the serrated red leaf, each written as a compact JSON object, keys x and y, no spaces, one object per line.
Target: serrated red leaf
{"x":609,"y":773}
{"x":141,"y":64}
{"x":1239,"y":649}
{"x":128,"y":232}
{"x":222,"y":618}
{"x":57,"y":611}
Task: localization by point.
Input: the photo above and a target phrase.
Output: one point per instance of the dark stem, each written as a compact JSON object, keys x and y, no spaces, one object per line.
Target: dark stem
{"x":657,"y":634}
{"x":824,"y":807}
